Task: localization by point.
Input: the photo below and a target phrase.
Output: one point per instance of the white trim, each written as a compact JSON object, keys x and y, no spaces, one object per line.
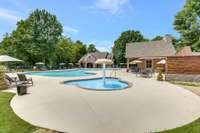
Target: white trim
{"x":146,"y":63}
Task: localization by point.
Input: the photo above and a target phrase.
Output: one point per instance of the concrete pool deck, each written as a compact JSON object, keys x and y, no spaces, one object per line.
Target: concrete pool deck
{"x":147,"y":106}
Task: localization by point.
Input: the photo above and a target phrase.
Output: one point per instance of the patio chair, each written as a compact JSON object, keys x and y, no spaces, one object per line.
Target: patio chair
{"x":11,"y":79}
{"x":137,"y":72}
{"x":24,"y":79}
{"x":146,"y":74}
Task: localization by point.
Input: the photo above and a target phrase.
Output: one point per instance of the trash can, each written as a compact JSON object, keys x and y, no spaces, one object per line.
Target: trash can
{"x":21,"y":89}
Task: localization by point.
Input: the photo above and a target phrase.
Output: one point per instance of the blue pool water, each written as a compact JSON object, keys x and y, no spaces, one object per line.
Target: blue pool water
{"x":97,"y":69}
{"x":97,"y":84}
{"x":66,"y":73}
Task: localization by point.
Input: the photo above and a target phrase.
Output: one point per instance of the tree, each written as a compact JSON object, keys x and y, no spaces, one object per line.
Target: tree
{"x":80,"y":50}
{"x":35,"y":38}
{"x":157,"y":38}
{"x":91,"y":48}
{"x":188,"y":25}
{"x":64,"y":51}
{"x":68,"y":51}
{"x":119,"y":48}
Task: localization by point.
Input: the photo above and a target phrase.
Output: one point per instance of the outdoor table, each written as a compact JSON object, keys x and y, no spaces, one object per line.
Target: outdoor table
{"x":21,"y":89}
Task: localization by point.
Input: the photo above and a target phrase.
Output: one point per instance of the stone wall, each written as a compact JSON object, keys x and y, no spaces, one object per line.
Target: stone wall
{"x":183,"y":77}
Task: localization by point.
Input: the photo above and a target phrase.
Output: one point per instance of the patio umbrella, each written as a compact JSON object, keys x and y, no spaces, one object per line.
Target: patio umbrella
{"x":39,"y":63}
{"x":62,"y":64}
{"x":163,"y":61}
{"x":104,"y":62}
{"x":6,"y":58}
{"x":135,"y":62}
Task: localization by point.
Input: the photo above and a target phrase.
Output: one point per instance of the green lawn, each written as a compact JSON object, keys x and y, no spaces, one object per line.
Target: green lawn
{"x":9,"y":122}
{"x":193,"y":127}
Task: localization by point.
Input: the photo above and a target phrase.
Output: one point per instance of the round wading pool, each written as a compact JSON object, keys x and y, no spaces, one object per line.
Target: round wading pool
{"x":99,"y":84}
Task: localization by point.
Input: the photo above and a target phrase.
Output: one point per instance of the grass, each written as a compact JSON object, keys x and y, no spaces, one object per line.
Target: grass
{"x":193,"y":127}
{"x":9,"y":121}
{"x":193,"y":84}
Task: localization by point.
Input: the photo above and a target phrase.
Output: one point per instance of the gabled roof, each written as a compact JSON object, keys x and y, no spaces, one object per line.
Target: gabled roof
{"x":187,"y":51}
{"x":92,"y":57}
{"x":160,"y":48}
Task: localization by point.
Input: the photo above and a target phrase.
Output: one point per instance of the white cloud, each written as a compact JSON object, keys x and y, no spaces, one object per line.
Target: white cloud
{"x":112,"y":6}
{"x":20,"y":5}
{"x":104,"y":46}
{"x":9,"y":15}
{"x":1,"y":37}
{"x":70,"y":30}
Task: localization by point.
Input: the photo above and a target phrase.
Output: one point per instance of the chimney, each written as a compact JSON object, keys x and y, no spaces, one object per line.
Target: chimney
{"x":168,"y":38}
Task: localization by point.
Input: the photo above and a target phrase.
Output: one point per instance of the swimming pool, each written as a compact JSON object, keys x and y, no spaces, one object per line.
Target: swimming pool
{"x":98,"y":69}
{"x":63,"y":73}
{"x":98,"y":84}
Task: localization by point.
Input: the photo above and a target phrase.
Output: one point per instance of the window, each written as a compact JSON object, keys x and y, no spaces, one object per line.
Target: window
{"x":148,"y":63}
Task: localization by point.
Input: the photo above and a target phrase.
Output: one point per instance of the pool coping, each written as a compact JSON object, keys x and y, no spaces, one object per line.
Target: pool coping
{"x":86,"y":72}
{"x":127,"y":82}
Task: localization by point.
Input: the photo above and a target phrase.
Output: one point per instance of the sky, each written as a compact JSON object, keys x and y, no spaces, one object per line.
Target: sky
{"x":97,"y":21}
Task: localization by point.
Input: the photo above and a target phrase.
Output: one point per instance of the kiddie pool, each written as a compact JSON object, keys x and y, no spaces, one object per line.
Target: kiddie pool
{"x":98,"y":84}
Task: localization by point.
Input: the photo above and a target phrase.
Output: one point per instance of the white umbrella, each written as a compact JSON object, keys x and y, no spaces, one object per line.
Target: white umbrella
{"x":62,"y":64}
{"x":39,"y":63}
{"x":135,"y":62}
{"x":163,"y":61}
{"x":103,"y":61}
{"x":6,"y":58}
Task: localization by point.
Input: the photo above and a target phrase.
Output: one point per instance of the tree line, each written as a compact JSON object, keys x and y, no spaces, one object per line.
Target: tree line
{"x":39,"y":39}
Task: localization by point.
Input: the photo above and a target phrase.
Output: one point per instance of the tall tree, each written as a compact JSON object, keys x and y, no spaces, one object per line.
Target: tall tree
{"x":68,"y":51}
{"x":64,"y":50}
{"x":35,"y":38}
{"x":157,"y":38}
{"x":91,"y":48}
{"x":79,"y":49}
{"x":187,"y":23}
{"x":119,"y":48}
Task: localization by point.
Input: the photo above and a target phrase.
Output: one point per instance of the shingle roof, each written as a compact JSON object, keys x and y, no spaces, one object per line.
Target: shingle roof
{"x":92,"y":57}
{"x":149,"y":49}
{"x":187,"y":51}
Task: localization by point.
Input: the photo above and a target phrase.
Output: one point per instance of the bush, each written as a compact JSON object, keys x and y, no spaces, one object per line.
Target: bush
{"x":3,"y":84}
{"x":160,"y":76}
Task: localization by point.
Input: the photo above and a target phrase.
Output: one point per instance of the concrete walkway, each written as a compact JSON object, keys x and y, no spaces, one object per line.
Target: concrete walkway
{"x":147,"y":106}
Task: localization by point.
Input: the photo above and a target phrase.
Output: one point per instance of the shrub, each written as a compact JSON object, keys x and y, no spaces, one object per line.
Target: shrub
{"x":160,"y":76}
{"x":3,"y":84}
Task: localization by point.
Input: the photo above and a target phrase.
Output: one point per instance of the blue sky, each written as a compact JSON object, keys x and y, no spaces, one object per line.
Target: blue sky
{"x":97,"y":21}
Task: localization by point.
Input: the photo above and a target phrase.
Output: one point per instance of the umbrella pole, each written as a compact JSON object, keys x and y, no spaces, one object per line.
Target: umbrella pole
{"x":104,"y":73}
